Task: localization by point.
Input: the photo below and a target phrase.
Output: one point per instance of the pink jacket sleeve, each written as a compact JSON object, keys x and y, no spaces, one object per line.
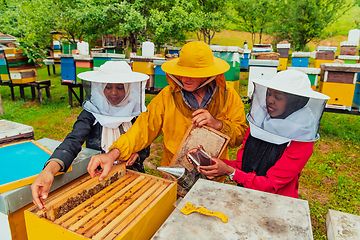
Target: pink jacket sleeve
{"x":286,"y":170}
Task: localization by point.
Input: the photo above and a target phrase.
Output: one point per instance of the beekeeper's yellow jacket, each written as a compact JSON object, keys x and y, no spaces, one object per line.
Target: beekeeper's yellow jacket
{"x":167,"y":113}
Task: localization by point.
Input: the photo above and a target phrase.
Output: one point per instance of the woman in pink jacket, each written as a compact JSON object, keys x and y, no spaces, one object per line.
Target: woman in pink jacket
{"x":284,"y":119}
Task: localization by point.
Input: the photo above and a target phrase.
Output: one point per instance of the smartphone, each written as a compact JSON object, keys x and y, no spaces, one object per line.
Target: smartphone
{"x":200,"y":157}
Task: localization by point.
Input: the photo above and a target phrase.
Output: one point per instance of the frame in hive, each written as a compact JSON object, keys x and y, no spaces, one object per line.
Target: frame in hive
{"x":125,"y":205}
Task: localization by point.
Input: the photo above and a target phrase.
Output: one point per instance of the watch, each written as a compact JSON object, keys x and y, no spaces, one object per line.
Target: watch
{"x":232,"y":175}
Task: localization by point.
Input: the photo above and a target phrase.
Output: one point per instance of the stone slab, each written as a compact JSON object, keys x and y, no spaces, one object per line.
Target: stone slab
{"x":341,"y":226}
{"x":251,"y":215}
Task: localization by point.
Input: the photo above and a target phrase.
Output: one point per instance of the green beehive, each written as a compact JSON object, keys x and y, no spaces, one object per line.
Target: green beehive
{"x":233,"y":74}
{"x":67,"y":48}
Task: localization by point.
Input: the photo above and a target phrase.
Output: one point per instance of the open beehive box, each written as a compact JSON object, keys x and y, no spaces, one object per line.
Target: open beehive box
{"x":125,"y":205}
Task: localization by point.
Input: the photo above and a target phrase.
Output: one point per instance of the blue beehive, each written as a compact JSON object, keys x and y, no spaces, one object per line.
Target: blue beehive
{"x":356,"y":100}
{"x":160,"y":76}
{"x":244,"y":59}
{"x":173,"y":50}
{"x":68,"y":69}
{"x":300,"y":59}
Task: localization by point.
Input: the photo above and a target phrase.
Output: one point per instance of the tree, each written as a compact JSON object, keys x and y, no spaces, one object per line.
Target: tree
{"x":163,"y":27}
{"x":300,"y":21}
{"x":254,"y":16}
{"x":211,"y":15}
{"x":25,"y":20}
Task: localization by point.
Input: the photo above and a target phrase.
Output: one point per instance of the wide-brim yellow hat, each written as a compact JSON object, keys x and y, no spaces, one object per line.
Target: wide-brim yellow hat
{"x":196,"y":60}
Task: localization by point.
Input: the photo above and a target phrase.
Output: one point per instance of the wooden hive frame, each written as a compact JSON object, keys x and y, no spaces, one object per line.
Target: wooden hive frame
{"x":213,"y":141}
{"x":129,"y":205}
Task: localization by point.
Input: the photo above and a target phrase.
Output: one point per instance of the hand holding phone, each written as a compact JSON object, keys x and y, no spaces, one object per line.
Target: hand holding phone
{"x":200,"y":157}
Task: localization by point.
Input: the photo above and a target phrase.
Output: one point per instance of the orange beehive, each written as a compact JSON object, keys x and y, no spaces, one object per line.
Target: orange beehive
{"x":126,"y":205}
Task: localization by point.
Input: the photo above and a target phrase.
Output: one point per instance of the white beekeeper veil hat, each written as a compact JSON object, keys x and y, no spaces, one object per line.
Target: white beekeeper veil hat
{"x":94,"y":83}
{"x":285,"y":108}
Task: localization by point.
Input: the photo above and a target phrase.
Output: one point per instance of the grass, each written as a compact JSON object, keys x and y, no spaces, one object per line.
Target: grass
{"x":330,"y":179}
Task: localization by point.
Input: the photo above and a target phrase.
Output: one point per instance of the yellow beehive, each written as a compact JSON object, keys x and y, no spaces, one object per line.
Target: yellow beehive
{"x":318,"y":62}
{"x":339,"y":93}
{"x":131,"y":205}
{"x":4,"y":77}
{"x":143,"y":67}
{"x":282,"y":64}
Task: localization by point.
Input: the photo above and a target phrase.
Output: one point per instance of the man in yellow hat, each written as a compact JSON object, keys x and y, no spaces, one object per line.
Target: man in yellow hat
{"x":197,"y":94}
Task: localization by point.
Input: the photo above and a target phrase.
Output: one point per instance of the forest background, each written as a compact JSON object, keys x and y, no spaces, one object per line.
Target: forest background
{"x":331,"y":178}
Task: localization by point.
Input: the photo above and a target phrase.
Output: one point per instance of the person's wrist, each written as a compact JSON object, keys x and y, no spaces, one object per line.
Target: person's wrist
{"x":231,"y":173}
{"x":114,"y":153}
{"x":53,"y":167}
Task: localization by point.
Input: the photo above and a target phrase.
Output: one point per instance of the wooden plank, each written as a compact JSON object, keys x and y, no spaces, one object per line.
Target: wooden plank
{"x":121,"y":207}
{"x":55,"y":203}
{"x":105,"y":204}
{"x":112,"y":190}
{"x":159,"y":188}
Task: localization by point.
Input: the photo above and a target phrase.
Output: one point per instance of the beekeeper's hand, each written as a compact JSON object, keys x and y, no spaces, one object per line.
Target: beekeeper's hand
{"x":202,"y":117}
{"x":105,"y":161}
{"x":132,"y":159}
{"x":218,"y":168}
{"x":41,"y":186}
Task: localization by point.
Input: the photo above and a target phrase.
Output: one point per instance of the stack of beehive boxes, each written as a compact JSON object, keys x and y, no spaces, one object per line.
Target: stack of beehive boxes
{"x":67,"y":48}
{"x":348,"y":51}
{"x":20,"y":69}
{"x":83,"y":63}
{"x":324,"y":54}
{"x":230,"y":54}
{"x":144,"y":64}
{"x":160,"y":76}
{"x":68,"y":69}
{"x":57,"y":51}
{"x":338,"y":82}
{"x":283,"y":49}
{"x":245,"y":58}
{"x":4,"y":71}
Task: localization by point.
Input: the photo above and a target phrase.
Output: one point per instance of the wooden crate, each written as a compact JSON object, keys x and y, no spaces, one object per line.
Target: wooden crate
{"x":131,"y":205}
